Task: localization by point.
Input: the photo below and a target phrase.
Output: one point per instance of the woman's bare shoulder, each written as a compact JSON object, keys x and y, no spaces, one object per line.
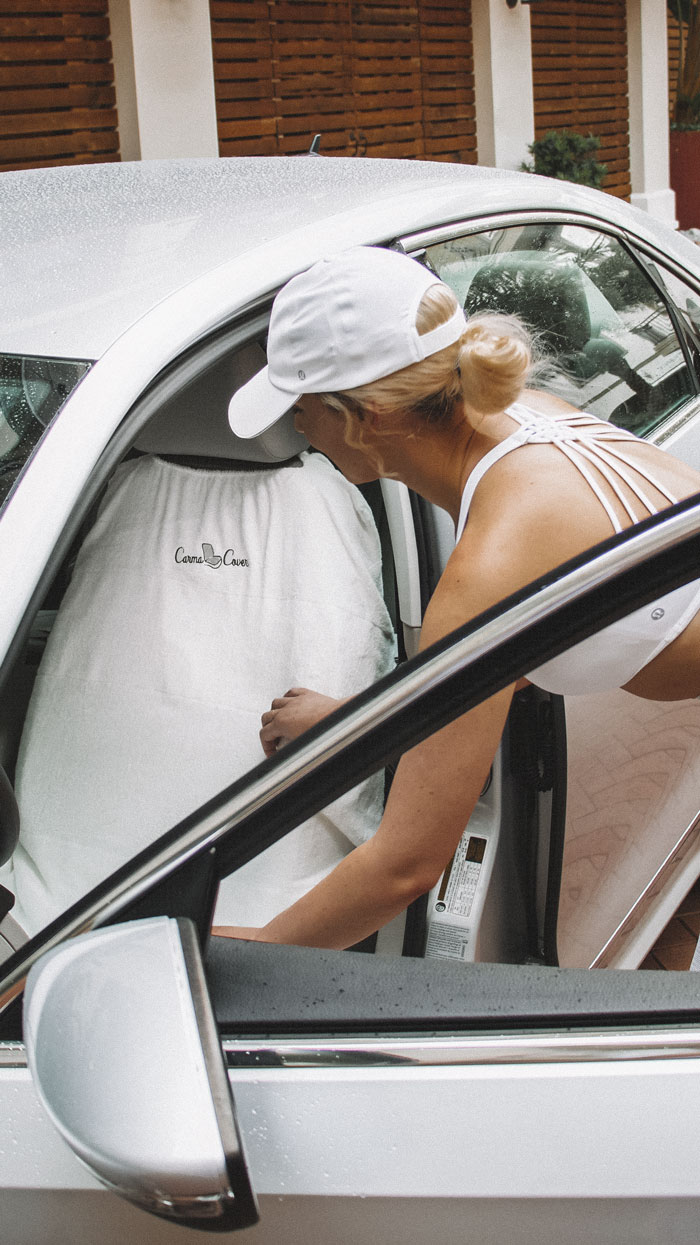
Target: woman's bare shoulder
{"x":547,"y":403}
{"x":488,"y":563}
{"x":530,"y":513}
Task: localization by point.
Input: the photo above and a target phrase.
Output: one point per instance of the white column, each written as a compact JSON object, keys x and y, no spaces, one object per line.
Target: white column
{"x":505,"y":114}
{"x":648,"y":96}
{"x":164,"y":78}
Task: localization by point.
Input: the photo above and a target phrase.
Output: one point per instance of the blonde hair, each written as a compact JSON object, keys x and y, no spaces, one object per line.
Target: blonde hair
{"x":487,"y":368}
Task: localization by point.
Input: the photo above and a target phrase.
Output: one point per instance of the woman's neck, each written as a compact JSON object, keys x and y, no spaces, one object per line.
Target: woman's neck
{"x":438,"y":463}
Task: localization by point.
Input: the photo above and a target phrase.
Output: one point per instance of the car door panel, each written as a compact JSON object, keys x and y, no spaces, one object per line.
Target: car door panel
{"x":567,"y":1116}
{"x":508,"y":1109}
{"x":543,"y":1150}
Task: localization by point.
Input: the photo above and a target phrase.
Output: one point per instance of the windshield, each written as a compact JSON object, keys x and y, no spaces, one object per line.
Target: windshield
{"x":32,"y":391}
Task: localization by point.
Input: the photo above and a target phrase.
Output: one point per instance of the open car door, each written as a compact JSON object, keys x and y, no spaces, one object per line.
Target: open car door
{"x":387,"y":1097}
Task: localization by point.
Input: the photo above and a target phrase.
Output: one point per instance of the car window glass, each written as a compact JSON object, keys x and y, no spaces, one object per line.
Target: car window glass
{"x":605,"y":336}
{"x":32,"y":390}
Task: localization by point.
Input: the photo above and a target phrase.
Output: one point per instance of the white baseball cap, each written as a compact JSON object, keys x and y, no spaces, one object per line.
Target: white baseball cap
{"x":348,"y":320}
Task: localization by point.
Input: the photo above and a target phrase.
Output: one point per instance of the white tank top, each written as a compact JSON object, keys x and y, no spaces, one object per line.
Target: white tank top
{"x":614,"y":655}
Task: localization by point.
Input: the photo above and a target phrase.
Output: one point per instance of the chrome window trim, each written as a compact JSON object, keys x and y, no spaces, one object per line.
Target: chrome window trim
{"x":378,"y":709}
{"x":634,"y":917}
{"x":662,"y":258}
{"x":449,"y":1050}
{"x":506,"y":220}
{"x":510,"y":220}
{"x":12,"y":1055}
{"x":458,"y":1050}
{"x":675,"y":422}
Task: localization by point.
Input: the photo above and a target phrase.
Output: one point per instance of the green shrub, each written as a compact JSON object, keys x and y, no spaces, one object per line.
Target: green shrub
{"x":569,"y":156}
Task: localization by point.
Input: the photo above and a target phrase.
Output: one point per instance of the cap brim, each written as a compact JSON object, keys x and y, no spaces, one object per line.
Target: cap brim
{"x":257,"y":405}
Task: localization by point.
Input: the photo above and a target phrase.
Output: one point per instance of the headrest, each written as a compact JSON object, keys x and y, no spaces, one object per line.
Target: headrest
{"x":195,"y":423}
{"x":546,"y":291}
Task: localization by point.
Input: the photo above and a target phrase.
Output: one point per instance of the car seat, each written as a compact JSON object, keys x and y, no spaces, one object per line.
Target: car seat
{"x":547,"y":292}
{"x":217,"y":574}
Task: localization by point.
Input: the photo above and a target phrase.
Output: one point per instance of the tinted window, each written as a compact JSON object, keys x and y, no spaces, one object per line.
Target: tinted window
{"x":605,"y":334}
{"x":32,"y":390}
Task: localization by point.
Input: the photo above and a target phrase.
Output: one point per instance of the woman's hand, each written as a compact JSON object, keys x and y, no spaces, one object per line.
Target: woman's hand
{"x":292,"y":714}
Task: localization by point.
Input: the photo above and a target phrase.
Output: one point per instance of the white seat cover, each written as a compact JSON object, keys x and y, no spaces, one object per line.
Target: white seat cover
{"x":196,"y":598}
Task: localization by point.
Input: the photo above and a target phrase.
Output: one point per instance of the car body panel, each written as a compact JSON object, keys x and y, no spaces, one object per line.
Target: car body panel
{"x":138,"y":232}
{"x":161,"y":228}
{"x":332,"y":1139}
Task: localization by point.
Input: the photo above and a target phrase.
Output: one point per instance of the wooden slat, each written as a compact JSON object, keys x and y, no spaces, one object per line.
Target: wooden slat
{"x":77,"y":95}
{"x":607,"y":85}
{"x":107,"y":157}
{"x":235,"y":10}
{"x":55,"y":50}
{"x":561,"y":67}
{"x":66,"y":25}
{"x":248,"y":129}
{"x":62,"y":121}
{"x":38,"y":75}
{"x":57,"y":99}
{"x":35,"y":145}
{"x":239,"y":110}
{"x":297,"y":10}
{"x":251,"y":147}
{"x":234,"y":31}
{"x":593,"y":113}
{"x":31,"y":7}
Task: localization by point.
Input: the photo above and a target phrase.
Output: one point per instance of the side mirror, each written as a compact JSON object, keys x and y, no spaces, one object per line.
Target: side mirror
{"x":125,"y":1057}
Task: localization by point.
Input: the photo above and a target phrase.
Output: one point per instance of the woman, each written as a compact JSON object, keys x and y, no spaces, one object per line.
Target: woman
{"x":387,"y":378}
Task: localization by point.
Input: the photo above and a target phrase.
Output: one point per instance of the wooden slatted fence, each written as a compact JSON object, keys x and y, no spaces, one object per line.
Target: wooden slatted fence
{"x":579,"y":55}
{"x":57,"y":100}
{"x":380,"y":78}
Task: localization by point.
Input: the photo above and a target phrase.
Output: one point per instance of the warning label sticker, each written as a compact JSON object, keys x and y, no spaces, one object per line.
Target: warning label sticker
{"x":448,"y":941}
{"x":461,"y":880}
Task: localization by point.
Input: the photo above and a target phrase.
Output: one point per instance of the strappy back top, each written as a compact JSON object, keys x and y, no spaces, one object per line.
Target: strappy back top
{"x":586,"y":441}
{"x":614,"y":655}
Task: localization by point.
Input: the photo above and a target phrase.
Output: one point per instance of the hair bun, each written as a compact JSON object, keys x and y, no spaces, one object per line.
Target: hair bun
{"x":495,"y":357}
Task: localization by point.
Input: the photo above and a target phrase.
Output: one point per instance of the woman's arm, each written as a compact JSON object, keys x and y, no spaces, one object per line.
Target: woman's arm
{"x":432,"y":796}
{"x":436,"y":787}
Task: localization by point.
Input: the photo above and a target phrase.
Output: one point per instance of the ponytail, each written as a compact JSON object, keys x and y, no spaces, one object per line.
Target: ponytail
{"x":494,"y":361}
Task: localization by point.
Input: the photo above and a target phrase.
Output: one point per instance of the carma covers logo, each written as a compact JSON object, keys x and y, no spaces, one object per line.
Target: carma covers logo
{"x":209,"y":558}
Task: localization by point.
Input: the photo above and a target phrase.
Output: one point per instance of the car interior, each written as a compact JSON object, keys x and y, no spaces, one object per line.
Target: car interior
{"x":137,"y":695}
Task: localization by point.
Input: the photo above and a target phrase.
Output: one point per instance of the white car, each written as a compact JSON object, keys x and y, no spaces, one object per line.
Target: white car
{"x":463,"y":1074}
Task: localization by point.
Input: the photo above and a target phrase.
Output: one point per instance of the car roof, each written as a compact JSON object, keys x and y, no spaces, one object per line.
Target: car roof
{"x":86,"y":251}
